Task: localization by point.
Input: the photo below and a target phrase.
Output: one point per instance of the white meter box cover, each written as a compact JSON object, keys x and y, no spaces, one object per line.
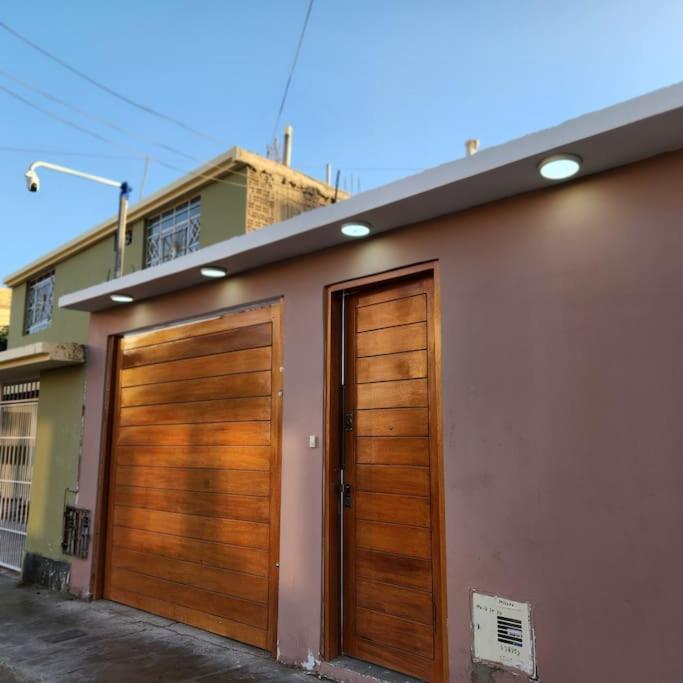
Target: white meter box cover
{"x":502,"y":632}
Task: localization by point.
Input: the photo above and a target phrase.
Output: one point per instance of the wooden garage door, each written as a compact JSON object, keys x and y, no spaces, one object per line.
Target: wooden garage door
{"x":193,"y":526}
{"x":392,"y":596}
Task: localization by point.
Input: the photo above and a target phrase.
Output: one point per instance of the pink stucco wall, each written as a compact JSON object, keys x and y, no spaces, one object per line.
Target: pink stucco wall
{"x":562,"y":337}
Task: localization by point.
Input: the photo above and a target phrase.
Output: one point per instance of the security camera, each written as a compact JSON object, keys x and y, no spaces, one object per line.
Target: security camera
{"x":32,"y":181}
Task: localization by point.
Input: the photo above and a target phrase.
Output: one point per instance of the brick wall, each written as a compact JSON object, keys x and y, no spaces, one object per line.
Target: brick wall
{"x":272,"y":197}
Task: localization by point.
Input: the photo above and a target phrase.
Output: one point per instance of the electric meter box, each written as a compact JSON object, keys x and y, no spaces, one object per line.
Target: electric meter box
{"x":502,"y":632}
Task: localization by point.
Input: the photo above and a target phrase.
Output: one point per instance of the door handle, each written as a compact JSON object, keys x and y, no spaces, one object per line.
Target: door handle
{"x":347,"y":495}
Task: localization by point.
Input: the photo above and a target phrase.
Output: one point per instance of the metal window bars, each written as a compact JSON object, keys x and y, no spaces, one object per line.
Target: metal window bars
{"x":17,"y":445}
{"x":173,"y":233}
{"x":39,"y":299}
{"x":76,"y":531}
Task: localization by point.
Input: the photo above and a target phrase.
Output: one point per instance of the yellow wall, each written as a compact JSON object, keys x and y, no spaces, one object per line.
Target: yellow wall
{"x":5,"y":304}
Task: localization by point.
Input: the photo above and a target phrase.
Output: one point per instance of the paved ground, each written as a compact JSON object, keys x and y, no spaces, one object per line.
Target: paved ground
{"x":51,"y":637}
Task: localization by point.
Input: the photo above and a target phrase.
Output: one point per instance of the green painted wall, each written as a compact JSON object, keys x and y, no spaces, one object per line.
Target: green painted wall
{"x":82,"y":270}
{"x":223,"y":215}
{"x":55,"y":463}
{"x":55,"y":469}
{"x":224,"y":210}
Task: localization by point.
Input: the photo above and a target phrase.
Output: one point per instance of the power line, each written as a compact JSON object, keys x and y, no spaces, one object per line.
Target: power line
{"x":62,"y":152}
{"x":56,"y":117}
{"x":95,"y":117}
{"x":107,"y":89}
{"x":101,"y":138}
{"x":293,"y":67}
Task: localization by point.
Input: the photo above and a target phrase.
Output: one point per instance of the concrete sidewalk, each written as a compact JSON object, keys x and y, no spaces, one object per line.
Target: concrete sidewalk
{"x":53,"y":637}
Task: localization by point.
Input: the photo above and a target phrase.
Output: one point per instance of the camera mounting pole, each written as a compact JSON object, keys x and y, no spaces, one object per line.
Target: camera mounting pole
{"x":33,"y":185}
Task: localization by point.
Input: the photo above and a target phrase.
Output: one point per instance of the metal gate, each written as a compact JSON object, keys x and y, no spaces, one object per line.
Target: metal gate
{"x":18,"y":417}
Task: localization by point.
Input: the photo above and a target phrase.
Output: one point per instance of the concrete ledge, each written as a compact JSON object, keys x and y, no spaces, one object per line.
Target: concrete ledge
{"x":27,"y":362}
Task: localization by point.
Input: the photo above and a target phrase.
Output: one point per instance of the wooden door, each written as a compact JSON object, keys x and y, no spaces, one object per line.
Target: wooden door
{"x":391,"y":575}
{"x":194,"y":495}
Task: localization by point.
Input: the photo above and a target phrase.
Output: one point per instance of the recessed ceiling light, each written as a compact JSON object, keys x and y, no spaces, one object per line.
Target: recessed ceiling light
{"x":122,"y":298}
{"x":213,"y":271}
{"x":356,"y":229}
{"x":560,"y":166}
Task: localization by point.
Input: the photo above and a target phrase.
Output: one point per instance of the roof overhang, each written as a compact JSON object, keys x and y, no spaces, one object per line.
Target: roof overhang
{"x":27,"y":362}
{"x":625,"y":133}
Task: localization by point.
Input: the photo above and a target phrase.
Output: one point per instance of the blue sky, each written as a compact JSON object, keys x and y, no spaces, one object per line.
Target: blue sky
{"x":383,"y":87}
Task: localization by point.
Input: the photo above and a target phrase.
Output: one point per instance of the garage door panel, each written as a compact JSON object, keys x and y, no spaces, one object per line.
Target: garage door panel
{"x":205,"y":345}
{"x":244,"y":457}
{"x":199,"y":328}
{"x":246,"y":612}
{"x":236,"y":584}
{"x":224,"y":410}
{"x":250,"y":508}
{"x":221,"y":434}
{"x":236,"y":558}
{"x":234,"y":362}
{"x":194,"y":485}
{"x":241,"y":385}
{"x":244,"y":482}
{"x":230,"y":531}
{"x":220,"y":625}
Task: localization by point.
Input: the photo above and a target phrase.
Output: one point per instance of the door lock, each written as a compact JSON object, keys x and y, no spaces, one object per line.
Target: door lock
{"x":347,"y":495}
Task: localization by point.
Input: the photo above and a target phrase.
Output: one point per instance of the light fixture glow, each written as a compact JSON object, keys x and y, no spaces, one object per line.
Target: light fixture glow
{"x":213,"y":271}
{"x":355,"y":229}
{"x":560,"y":166}
{"x":122,"y":298}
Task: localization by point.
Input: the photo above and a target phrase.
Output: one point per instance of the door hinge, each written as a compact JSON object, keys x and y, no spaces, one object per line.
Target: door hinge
{"x":348,"y":422}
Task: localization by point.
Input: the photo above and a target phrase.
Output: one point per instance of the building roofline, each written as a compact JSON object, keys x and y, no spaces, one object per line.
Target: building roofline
{"x":224,"y":163}
{"x":625,"y":133}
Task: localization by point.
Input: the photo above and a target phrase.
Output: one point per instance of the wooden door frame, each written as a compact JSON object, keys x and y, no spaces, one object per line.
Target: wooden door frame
{"x":102,"y":527}
{"x":332,"y":588}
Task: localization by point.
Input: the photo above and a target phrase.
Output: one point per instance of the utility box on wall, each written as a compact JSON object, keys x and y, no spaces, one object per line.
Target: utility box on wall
{"x":502,"y":632}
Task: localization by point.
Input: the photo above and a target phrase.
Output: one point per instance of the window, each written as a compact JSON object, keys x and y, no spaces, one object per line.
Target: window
{"x":172,"y":233}
{"x":39,"y":294}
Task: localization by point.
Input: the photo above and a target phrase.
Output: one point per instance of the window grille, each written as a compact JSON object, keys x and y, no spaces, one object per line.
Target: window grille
{"x":76,"y":532}
{"x":172,"y":233}
{"x":39,"y":296}
{"x":23,"y":391}
{"x":17,"y":443}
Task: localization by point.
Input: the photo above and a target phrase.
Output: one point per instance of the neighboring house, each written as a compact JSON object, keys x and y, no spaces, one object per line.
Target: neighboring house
{"x":42,"y":372}
{"x":507,"y":442}
{"x":5,"y":303}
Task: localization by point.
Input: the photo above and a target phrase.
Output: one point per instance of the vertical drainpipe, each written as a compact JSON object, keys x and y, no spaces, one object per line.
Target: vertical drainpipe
{"x":287,"y":153}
